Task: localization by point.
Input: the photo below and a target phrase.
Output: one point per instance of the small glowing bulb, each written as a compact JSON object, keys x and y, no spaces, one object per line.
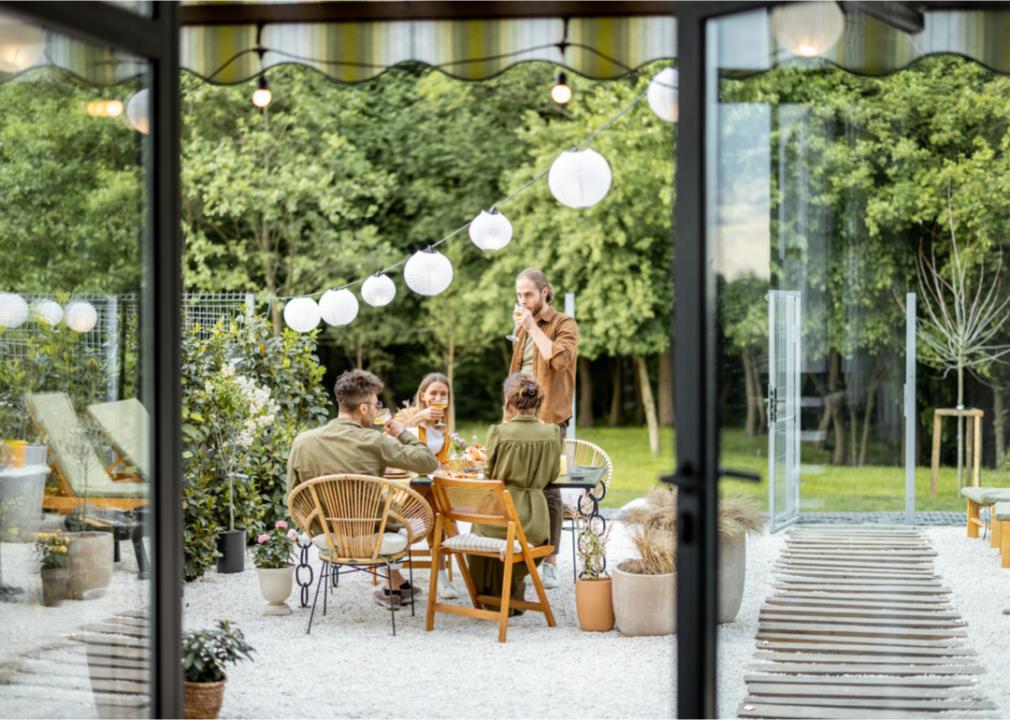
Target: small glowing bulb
{"x":262,"y":96}
{"x":114,"y":108}
{"x":561,"y":93}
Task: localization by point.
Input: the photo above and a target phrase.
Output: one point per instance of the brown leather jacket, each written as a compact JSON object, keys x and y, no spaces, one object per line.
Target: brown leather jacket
{"x":557,"y":374}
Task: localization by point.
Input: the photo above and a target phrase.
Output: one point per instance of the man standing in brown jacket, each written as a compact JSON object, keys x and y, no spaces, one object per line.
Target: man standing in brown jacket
{"x":546,"y":347}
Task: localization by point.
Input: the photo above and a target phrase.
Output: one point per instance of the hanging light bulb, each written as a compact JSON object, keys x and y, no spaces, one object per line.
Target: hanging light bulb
{"x":338,"y":307}
{"x":81,"y":316}
{"x":21,"y":45}
{"x":47,"y":311}
{"x":301,"y":314}
{"x":490,"y":230}
{"x":561,"y":93}
{"x":807,"y":29}
{"x":378,"y":290}
{"x":428,"y":272}
{"x":579,"y":178}
{"x":262,"y":96}
{"x":138,"y":112}
{"x":13,"y":310}
{"x":104,"y":108}
{"x":663,"y":95}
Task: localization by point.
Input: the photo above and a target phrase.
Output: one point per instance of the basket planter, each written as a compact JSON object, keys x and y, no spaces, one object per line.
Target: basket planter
{"x":644,"y":604}
{"x":91,"y":554}
{"x":594,"y":604}
{"x":203,"y":700}
{"x":54,"y":586}
{"x":275,"y":585}
{"x":231,"y":545}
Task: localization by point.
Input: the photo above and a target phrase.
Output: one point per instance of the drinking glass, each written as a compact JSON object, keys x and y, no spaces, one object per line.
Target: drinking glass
{"x":440,"y":405}
{"x":516,"y":314}
{"x":381,"y":418}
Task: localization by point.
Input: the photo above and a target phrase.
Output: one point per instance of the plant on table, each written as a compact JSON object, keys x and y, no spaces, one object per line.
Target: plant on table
{"x":205,"y":654}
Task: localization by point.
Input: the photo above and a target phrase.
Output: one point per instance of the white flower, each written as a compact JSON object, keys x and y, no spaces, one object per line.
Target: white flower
{"x":244,"y":439}
{"x":227,"y":370}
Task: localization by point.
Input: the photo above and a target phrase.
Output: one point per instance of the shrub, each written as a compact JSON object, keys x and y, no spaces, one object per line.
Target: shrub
{"x":206,"y":652}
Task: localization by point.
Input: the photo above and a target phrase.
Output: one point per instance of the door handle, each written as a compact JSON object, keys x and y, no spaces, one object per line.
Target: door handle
{"x":686,"y":479}
{"x":739,"y":475}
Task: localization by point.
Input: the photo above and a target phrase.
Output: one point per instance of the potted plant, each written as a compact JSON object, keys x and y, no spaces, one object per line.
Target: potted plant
{"x":54,"y":557}
{"x":272,"y":555}
{"x":593,"y":594}
{"x":242,"y":412}
{"x":645,"y":587}
{"x":205,"y":653}
{"x":91,"y":552}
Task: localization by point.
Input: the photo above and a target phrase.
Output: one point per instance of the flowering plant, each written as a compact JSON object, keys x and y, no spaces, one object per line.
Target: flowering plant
{"x":53,"y":549}
{"x":205,"y":653}
{"x":243,"y":411}
{"x":274,"y":548}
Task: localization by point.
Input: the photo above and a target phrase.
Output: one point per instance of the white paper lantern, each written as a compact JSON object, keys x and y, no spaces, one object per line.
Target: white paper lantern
{"x":807,"y":29}
{"x":338,"y":307}
{"x":13,"y":310}
{"x":21,"y":45}
{"x":663,"y":94}
{"x":428,"y":272}
{"x":579,"y":178}
{"x":81,"y":316}
{"x":47,"y":311}
{"x":138,"y":112}
{"x":378,"y":290}
{"x":490,"y":230}
{"x":301,"y":314}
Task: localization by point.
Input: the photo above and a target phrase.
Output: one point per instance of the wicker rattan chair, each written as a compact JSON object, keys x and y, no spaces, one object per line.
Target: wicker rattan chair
{"x":354,"y":520}
{"x":488,"y":503}
{"x":583,"y":452}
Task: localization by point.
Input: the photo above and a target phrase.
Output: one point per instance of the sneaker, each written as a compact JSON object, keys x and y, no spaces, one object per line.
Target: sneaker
{"x":446,"y":590}
{"x":408,"y":591}
{"x":387,"y":599}
{"x":549,"y":576}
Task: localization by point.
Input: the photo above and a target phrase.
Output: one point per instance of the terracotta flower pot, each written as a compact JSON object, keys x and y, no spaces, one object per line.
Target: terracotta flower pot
{"x":54,"y":586}
{"x":644,"y":604}
{"x":203,"y":700}
{"x":275,"y":585}
{"x":594,"y":604}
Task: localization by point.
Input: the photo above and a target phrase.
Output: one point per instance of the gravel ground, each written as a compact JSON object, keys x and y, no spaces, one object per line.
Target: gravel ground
{"x":564,"y":672}
{"x":981,"y":591}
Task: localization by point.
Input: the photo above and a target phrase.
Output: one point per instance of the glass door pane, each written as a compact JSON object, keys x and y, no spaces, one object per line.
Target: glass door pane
{"x":76,"y":465}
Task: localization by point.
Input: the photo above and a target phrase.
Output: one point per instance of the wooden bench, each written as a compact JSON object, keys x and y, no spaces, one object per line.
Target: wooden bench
{"x":979,"y":497}
{"x":1001,"y":515}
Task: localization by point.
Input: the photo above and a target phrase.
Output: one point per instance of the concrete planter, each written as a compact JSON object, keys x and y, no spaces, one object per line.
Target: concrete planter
{"x":275,"y":584}
{"x":90,"y":564}
{"x":732,"y":573}
{"x":644,"y":604}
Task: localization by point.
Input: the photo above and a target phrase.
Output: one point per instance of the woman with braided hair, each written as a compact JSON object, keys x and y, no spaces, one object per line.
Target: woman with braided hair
{"x":525,"y":454}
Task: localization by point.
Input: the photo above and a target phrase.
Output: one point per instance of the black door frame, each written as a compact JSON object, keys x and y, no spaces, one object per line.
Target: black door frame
{"x":155,"y":39}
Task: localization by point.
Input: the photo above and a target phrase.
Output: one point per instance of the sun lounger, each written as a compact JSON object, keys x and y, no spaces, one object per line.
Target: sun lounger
{"x":1001,"y":517}
{"x":979,"y":497}
{"x":125,"y":425}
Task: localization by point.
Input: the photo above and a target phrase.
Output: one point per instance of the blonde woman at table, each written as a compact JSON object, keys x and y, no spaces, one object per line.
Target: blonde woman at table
{"x":525,"y":454}
{"x":430,"y":421}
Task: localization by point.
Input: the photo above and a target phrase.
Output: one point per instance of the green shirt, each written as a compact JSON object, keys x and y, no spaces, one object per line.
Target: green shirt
{"x":344,"y":446}
{"x":525,"y":454}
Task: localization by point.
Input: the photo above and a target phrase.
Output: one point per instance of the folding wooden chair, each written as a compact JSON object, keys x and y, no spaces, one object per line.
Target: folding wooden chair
{"x":485,"y":502}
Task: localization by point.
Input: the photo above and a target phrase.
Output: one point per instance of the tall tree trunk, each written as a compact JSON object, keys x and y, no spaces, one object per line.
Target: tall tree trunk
{"x":998,"y":424}
{"x":666,"y":414}
{"x":751,"y":421}
{"x":649,"y":403}
{"x":960,"y":422}
{"x":639,"y":407}
{"x":615,"y":397}
{"x":835,"y":398}
{"x":585,"y":419}
{"x":825,"y":420}
{"x":871,"y":396}
{"x":759,"y":398}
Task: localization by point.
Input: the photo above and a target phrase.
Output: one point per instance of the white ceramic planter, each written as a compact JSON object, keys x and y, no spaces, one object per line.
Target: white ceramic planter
{"x":644,"y":604}
{"x":275,"y":585}
{"x":90,"y":564}
{"x":732,"y":572}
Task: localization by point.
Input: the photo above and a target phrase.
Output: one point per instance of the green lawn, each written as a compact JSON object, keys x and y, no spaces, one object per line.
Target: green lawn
{"x":824,"y":487}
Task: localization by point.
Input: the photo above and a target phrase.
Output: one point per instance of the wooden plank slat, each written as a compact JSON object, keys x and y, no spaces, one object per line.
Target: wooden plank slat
{"x":916,"y":570}
{"x":833,"y":601}
{"x":813,"y":656}
{"x":900,"y":704}
{"x":789,"y":712}
{"x":871,"y":649}
{"x":100,"y":649}
{"x":875,"y":598}
{"x":851,"y":690}
{"x":909,"y":681}
{"x":863,"y":669}
{"x":112,"y":629}
{"x":859,"y":630}
{"x":785,"y":637}
{"x":106,"y":639}
{"x":800,"y":585}
{"x":822,"y":619}
{"x":923,"y":585}
{"x":842,"y":610}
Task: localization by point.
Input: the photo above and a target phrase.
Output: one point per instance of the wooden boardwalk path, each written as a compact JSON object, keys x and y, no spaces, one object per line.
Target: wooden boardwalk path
{"x":859,"y":626}
{"x":103,"y":670}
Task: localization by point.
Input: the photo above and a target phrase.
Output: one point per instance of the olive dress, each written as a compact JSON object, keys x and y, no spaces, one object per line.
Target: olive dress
{"x":525,"y":454}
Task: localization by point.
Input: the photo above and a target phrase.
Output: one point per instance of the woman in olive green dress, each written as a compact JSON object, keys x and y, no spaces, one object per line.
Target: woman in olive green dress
{"x":525,"y":454}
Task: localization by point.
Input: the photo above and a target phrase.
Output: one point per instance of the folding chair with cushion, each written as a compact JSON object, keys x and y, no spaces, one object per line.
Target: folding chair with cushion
{"x":978,"y":498}
{"x":485,"y":502}
{"x":584,"y":453}
{"x":83,"y":479}
{"x":125,"y":425}
{"x":353,"y":521}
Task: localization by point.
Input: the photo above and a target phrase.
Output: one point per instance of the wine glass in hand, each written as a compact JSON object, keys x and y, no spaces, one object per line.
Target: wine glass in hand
{"x":440,"y":405}
{"x":517,"y":313}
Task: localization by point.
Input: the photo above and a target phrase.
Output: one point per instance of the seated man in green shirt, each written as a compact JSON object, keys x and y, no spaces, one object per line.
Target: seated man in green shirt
{"x":351,"y":444}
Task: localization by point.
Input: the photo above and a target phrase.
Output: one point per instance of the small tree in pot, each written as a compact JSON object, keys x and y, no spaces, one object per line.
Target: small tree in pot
{"x":205,"y":653}
{"x":593,"y":599}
